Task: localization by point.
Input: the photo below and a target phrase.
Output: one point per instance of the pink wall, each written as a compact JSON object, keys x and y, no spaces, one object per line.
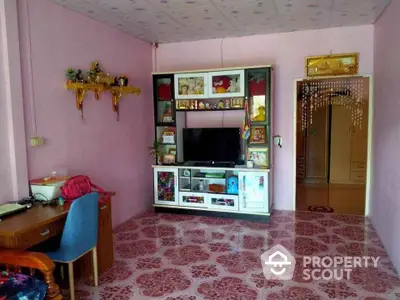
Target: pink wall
{"x":385,"y":205}
{"x":114,"y":154}
{"x":286,"y":52}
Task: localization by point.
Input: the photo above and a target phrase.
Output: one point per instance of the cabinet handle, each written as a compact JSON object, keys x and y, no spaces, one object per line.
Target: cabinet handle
{"x":46,"y":232}
{"x":103,"y":207}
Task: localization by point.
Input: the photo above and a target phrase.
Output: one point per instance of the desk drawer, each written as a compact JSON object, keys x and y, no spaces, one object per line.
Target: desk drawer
{"x":40,"y":234}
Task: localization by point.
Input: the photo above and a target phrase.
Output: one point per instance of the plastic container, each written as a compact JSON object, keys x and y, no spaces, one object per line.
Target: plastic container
{"x":47,"y":188}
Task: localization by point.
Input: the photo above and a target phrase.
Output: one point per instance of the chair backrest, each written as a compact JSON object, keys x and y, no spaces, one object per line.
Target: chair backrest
{"x":80,"y":231}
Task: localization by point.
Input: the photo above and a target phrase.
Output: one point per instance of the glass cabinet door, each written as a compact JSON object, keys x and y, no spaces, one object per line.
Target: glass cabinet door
{"x":164,"y":99}
{"x":165,"y":186}
{"x":253,"y":192}
{"x":223,"y":202}
{"x":192,"y":199}
{"x":259,"y":96}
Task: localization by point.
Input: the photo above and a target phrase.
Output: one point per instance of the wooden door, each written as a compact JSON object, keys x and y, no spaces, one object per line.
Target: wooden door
{"x":359,"y":149}
{"x":300,"y":145}
{"x":341,"y":141}
{"x":317,"y":147}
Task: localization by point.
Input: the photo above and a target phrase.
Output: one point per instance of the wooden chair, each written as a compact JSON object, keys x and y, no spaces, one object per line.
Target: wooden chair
{"x":15,"y":259}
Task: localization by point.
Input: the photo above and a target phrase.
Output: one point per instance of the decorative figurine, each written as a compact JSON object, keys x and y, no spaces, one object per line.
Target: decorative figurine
{"x":234,"y":86}
{"x":191,"y":86}
{"x":233,"y":185}
{"x":227,"y":103}
{"x":214,"y":106}
{"x":207,"y":105}
{"x":79,"y":76}
{"x":195,"y":104}
{"x":123,"y":81}
{"x":220,"y":84}
{"x":192,"y":105}
{"x":201,"y":105}
{"x":221,"y":104}
{"x":261,"y":114}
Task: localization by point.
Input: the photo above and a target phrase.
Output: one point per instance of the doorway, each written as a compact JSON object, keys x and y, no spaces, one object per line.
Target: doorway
{"x":332,"y":144}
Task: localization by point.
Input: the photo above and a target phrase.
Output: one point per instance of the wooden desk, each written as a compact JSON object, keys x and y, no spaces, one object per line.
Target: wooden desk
{"x":33,"y":226}
{"x":40,"y":223}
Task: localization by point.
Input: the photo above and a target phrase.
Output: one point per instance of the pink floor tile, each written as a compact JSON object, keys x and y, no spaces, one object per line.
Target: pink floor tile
{"x":182,"y":257}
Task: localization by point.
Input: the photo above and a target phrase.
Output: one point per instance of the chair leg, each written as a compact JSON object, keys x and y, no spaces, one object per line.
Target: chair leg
{"x":71,"y":279}
{"x":95,"y":267}
{"x":62,"y":271}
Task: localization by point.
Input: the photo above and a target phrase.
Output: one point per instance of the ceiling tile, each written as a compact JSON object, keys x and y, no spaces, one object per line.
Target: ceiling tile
{"x":184,"y":20}
{"x":285,"y":7}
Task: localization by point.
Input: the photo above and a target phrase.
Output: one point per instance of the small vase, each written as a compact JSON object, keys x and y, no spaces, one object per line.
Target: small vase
{"x":159,"y":160}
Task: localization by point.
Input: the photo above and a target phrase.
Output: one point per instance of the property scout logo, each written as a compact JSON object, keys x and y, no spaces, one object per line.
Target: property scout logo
{"x":279,"y":264}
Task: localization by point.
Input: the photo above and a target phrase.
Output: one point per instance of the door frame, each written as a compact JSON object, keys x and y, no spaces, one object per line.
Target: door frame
{"x":369,"y":139}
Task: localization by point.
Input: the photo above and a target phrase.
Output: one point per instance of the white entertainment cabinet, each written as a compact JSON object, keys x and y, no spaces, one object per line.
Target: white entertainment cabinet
{"x":193,"y":190}
{"x":183,"y":188}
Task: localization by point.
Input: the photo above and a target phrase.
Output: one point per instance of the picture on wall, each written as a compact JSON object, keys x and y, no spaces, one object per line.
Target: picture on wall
{"x":259,"y":156}
{"x":257,"y":106}
{"x":257,"y":135}
{"x":191,"y":86}
{"x":332,"y":65}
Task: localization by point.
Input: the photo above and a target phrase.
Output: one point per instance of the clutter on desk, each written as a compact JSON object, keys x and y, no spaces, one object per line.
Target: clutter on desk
{"x":47,"y":188}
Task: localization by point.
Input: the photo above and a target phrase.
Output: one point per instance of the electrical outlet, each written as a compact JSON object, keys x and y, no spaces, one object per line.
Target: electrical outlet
{"x":36,"y":141}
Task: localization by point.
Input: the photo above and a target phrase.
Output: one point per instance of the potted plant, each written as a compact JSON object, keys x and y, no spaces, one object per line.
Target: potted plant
{"x":156,"y":151}
{"x":71,"y":75}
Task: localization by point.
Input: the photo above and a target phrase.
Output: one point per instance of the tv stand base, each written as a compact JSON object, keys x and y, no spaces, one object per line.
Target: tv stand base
{"x":208,"y":213}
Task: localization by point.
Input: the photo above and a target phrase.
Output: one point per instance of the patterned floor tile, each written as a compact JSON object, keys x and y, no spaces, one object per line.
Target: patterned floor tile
{"x":183,"y":257}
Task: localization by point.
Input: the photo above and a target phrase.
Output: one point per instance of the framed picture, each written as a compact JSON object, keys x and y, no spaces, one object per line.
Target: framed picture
{"x":257,"y":135}
{"x":168,"y":159}
{"x":191,"y":86}
{"x":332,"y":64}
{"x":237,"y":102}
{"x":257,"y":109}
{"x":226,"y":84}
{"x":259,"y":156}
{"x":168,"y":137}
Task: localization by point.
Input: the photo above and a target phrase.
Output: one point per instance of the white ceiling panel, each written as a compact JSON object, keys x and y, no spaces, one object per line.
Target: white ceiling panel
{"x":185,"y":20}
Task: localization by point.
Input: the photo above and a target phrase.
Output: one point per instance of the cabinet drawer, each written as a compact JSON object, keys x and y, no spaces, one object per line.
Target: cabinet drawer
{"x":358,"y":166}
{"x":193,"y":199}
{"x":224,"y":202}
{"x":40,"y":234}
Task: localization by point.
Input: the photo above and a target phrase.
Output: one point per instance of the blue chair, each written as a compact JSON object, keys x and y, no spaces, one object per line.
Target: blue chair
{"x":79,"y":236}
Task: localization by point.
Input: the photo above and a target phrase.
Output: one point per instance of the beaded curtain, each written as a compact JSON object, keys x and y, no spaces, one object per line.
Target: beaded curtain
{"x":316,"y":93}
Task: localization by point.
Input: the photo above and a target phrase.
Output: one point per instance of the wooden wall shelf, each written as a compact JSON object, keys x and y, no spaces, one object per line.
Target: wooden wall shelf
{"x":117,"y":92}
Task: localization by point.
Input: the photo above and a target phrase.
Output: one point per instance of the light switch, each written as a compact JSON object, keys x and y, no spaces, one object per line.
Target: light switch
{"x":36,"y":141}
{"x":278,"y":140}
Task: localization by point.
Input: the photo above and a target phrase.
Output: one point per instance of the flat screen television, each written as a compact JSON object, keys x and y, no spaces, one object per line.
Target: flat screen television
{"x":211,"y":144}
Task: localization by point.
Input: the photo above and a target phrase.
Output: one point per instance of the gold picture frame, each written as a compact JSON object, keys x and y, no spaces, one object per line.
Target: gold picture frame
{"x":332,"y":65}
{"x":259,"y":156}
{"x":257,"y":135}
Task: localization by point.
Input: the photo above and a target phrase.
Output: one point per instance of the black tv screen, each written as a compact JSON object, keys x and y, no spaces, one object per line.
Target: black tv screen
{"x":211,"y":144}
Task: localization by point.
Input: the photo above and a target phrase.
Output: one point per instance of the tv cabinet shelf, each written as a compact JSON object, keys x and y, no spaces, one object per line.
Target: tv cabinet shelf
{"x":173,"y":189}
